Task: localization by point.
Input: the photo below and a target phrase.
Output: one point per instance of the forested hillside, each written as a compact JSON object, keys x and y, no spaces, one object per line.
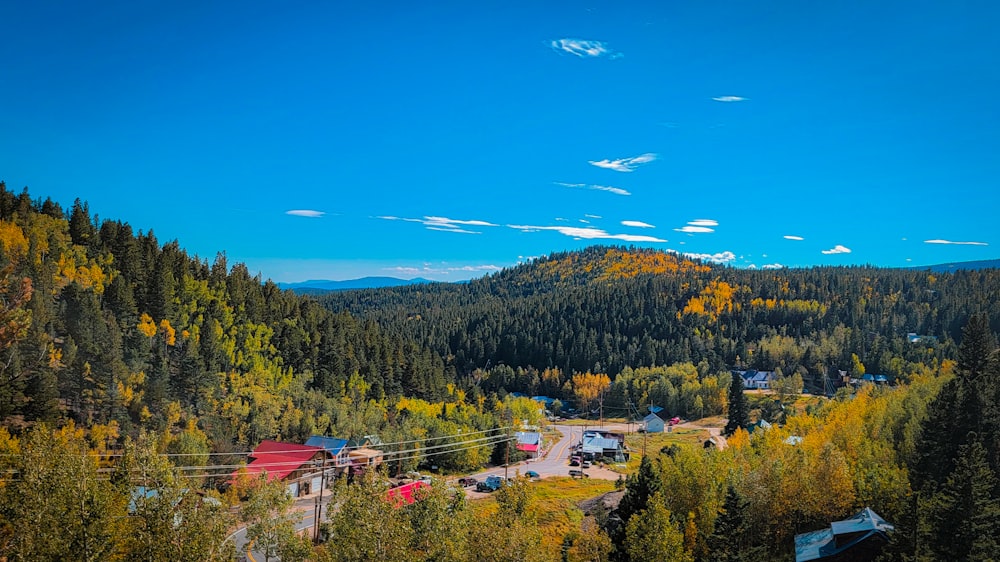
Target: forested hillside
{"x":106,"y":325}
{"x":612,"y":310}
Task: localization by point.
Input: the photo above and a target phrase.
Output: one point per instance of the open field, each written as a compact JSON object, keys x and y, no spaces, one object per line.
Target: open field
{"x":555,"y":504}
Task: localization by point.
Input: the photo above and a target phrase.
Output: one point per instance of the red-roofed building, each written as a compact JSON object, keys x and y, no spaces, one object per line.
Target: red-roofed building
{"x":299,"y":466}
{"x":405,"y":494}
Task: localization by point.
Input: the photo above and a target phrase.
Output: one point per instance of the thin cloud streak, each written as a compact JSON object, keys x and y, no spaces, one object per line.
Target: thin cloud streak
{"x":838,"y":249}
{"x":625,"y":164}
{"x":637,"y":224}
{"x":586,"y":233}
{"x":584,"y":48}
{"x":442,"y":224}
{"x":793,"y":237}
{"x":429,"y":269}
{"x":939,"y":241}
{"x":694,"y":229}
{"x":729,"y":99}
{"x":609,"y":189}
{"x":305,"y":213}
{"x":704,"y":222}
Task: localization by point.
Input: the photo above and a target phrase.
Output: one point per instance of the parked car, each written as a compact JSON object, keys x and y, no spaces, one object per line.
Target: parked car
{"x":467,"y":481}
{"x":574,"y":462}
{"x":586,"y":464}
{"x":491,"y":484}
{"x":531,"y":474}
{"x":578,"y":473}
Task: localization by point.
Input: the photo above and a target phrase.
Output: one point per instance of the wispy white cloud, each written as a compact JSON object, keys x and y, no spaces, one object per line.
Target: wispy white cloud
{"x":625,"y":164}
{"x":637,"y":224}
{"x":305,"y":213}
{"x":721,"y":257}
{"x":442,"y":224}
{"x":586,"y":233}
{"x":793,"y":237}
{"x":609,"y":189}
{"x":938,"y":241}
{"x":441,"y":269}
{"x":694,"y":229}
{"x":772,"y":266}
{"x":455,"y":230}
{"x":838,"y":249}
{"x":594,"y":216}
{"x":704,"y":222}
{"x":699,"y":226}
{"x":585,"y":48}
{"x":729,"y":99}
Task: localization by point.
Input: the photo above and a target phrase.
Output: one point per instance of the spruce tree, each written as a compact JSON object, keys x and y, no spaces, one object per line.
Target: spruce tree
{"x":731,"y":541}
{"x":638,"y":489}
{"x":739,"y":412}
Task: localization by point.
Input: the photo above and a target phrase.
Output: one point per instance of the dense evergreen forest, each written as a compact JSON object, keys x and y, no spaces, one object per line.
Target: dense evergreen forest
{"x":615,"y":310}
{"x":125,"y":348}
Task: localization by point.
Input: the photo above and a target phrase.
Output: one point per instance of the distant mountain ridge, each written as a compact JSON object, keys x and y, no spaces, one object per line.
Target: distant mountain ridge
{"x":325,"y":285}
{"x":956,"y":266}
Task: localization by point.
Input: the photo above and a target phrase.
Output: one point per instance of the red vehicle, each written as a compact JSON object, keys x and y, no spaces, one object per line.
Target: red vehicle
{"x":675,"y":421}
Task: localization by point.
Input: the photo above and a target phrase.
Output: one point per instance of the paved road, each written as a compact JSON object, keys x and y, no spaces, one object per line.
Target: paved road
{"x":554,"y":462}
{"x":304,"y":507}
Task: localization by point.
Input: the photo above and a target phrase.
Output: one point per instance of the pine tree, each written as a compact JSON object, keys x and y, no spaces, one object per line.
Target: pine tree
{"x":739,"y":413}
{"x":639,"y":488}
{"x":732,"y":541}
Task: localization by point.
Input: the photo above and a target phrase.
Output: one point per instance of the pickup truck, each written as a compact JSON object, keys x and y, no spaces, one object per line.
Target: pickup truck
{"x":491,"y":484}
{"x":578,"y":474}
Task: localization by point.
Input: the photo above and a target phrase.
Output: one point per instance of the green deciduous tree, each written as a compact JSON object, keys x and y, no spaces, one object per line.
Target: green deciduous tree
{"x":271,"y":524}
{"x":651,"y":535}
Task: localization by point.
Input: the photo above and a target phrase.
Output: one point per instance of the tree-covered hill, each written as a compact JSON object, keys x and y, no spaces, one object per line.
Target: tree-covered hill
{"x":607,"y":309}
{"x":104,"y":324}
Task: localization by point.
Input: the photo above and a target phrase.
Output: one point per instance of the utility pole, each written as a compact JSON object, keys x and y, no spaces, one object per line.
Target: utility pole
{"x":319,"y":501}
{"x":506,"y":455}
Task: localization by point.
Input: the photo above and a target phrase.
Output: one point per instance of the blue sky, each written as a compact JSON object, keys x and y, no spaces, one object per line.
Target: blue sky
{"x":448,"y":140}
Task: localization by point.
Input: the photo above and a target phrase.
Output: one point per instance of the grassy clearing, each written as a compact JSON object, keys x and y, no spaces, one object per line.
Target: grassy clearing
{"x":685,"y":437}
{"x":554,"y":501}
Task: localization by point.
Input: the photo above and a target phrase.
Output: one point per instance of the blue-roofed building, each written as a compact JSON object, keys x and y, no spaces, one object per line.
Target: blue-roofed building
{"x":336,"y":447}
{"x":546,"y":400}
{"x":655,"y":409}
{"x":859,"y":538}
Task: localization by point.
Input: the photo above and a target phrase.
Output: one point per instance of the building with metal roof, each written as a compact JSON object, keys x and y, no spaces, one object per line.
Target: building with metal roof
{"x":859,"y":538}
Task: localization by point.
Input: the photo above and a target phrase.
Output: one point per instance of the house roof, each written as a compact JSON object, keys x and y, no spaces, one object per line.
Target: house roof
{"x":333,"y":445}
{"x":528,"y":437}
{"x":651,"y":418}
{"x":278,"y":460}
{"x":655,"y":409}
{"x":600,"y":443}
{"x":365,"y":452}
{"x":817,"y":545}
{"x":763,"y":376}
{"x":528,"y":447}
{"x":864,"y":520}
